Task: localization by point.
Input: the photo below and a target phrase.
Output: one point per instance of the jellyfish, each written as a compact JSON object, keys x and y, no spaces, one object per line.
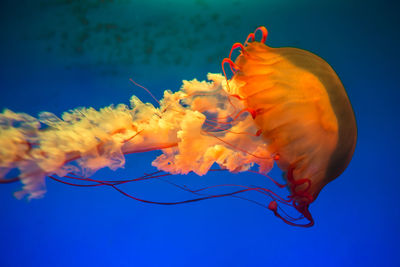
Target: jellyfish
{"x":283,"y":106}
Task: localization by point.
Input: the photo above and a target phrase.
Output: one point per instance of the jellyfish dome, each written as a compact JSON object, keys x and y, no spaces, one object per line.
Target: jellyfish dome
{"x":281,"y":105}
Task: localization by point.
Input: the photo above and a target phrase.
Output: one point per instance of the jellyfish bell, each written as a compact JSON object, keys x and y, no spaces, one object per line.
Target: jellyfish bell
{"x":302,"y":109}
{"x":282,"y":105}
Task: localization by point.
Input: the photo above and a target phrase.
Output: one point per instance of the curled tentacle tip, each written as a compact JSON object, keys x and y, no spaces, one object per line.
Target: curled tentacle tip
{"x":264,"y":33}
{"x":235,"y":46}
{"x":273,"y":206}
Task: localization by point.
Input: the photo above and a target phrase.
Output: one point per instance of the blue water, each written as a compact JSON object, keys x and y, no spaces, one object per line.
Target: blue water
{"x":58,"y":55}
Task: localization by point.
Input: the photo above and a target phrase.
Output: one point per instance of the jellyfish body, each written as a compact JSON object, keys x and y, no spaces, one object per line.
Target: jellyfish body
{"x":303,"y":110}
{"x":282,"y":105}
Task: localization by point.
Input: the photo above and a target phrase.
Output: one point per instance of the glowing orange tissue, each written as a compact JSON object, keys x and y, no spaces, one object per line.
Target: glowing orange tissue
{"x":281,"y":105}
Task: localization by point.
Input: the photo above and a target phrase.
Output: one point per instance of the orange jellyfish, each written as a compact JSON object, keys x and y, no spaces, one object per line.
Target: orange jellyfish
{"x":282,"y":105}
{"x":303,"y":111}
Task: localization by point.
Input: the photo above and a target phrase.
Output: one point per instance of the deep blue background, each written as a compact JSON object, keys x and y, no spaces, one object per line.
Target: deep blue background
{"x":57,"y":55}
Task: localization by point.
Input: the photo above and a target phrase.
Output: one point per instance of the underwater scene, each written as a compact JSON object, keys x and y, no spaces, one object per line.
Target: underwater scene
{"x":199,"y":133}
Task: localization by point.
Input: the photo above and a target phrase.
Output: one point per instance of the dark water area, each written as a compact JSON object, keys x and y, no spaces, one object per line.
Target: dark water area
{"x":57,"y":55}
